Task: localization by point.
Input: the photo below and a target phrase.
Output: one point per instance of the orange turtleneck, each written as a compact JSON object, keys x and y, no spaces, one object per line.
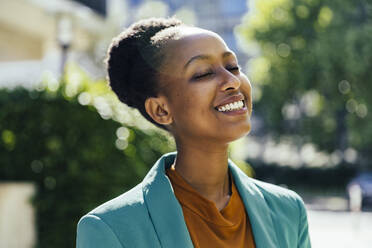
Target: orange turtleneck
{"x":209,"y":227}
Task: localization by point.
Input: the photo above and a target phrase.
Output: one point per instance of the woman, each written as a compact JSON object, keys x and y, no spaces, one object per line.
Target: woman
{"x":188,"y":82}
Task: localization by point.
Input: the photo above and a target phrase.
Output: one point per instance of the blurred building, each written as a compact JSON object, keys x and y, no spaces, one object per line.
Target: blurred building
{"x":17,"y":216}
{"x":220,"y":16}
{"x":36,"y":34}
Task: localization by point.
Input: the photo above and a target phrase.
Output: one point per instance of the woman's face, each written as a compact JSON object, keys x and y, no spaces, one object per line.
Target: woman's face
{"x":208,"y":96}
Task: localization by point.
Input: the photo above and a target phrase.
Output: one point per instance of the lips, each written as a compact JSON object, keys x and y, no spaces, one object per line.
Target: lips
{"x":231,"y":99}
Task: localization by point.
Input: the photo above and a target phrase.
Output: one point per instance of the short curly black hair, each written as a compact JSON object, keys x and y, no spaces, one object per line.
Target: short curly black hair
{"x":133,"y":59}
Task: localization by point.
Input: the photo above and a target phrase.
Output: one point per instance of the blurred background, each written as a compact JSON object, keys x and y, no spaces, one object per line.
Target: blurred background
{"x":67,"y":144}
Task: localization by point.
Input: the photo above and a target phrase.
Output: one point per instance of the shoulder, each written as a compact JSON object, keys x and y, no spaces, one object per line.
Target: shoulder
{"x":122,"y":209}
{"x":277,"y":195}
{"x":287,"y":210}
{"x":288,"y":213}
{"x":125,"y":204}
{"x":282,"y":202}
{"x":274,"y":196}
{"x":114,"y":221}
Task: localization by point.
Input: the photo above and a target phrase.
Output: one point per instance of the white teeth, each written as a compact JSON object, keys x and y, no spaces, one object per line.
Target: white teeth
{"x":231,"y":106}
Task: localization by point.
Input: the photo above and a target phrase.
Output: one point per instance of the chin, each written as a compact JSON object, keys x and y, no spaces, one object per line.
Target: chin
{"x":244,"y":132}
{"x":239,"y":133}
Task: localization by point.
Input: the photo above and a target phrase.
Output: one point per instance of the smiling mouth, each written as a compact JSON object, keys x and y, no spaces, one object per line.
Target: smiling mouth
{"x":230,"y":107}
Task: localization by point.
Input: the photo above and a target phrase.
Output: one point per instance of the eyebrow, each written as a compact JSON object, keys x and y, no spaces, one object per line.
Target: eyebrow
{"x":205,"y":57}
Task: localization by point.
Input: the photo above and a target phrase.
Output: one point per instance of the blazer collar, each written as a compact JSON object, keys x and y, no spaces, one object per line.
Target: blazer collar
{"x":164,"y":209}
{"x":257,"y":208}
{"x":166,"y":212}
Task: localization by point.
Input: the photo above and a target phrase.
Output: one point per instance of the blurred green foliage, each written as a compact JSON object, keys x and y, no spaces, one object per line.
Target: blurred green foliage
{"x":311,"y":70}
{"x":313,"y":179}
{"x":76,"y":159}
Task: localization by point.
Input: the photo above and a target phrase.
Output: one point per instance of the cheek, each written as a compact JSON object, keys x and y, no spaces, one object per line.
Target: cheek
{"x":246,"y":88}
{"x":182,"y":104}
{"x":197,"y":97}
{"x":192,"y":106}
{"x":245,"y":83}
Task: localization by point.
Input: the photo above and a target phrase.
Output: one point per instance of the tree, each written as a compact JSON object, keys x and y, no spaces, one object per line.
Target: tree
{"x":65,"y":141}
{"x":312,"y":74}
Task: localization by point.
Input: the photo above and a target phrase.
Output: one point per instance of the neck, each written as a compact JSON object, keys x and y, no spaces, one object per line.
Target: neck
{"x":205,"y":168}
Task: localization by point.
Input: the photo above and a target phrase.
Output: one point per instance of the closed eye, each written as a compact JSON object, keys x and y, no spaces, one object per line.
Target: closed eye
{"x":203,"y":75}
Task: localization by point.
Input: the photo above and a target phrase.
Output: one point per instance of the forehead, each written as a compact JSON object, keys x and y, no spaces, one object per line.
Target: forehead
{"x":190,"y":42}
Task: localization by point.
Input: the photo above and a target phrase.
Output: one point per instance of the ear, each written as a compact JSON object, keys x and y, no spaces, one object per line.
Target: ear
{"x":157,"y":108}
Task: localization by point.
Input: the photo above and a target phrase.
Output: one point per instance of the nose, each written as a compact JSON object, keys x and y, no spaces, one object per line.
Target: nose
{"x":229,"y":80}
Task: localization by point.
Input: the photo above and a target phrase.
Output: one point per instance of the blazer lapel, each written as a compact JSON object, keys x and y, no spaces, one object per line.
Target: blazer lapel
{"x":257,"y":209}
{"x":164,"y":209}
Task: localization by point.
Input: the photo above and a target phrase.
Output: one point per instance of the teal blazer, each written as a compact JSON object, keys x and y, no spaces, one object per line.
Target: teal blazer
{"x":149,"y":215}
